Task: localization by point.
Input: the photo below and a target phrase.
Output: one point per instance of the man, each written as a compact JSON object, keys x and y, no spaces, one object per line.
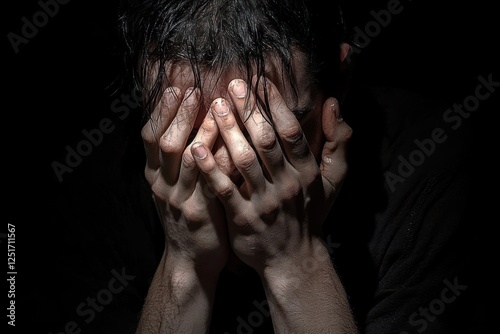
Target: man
{"x":246,"y":153}
{"x":269,"y":124}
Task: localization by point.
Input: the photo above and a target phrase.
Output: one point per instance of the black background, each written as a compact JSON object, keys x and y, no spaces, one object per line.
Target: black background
{"x":70,"y":235}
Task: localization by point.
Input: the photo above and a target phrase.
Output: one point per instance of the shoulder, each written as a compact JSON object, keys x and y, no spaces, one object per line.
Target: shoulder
{"x":412,"y":170}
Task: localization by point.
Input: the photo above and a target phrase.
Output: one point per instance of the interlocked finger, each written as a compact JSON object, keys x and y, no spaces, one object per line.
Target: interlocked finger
{"x":174,"y":140}
{"x":157,"y":124}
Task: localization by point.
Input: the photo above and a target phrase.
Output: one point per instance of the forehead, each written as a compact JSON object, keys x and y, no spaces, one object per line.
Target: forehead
{"x":214,"y":82}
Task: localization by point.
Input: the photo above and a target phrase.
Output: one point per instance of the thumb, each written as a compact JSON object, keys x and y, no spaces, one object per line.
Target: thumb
{"x":337,"y":133}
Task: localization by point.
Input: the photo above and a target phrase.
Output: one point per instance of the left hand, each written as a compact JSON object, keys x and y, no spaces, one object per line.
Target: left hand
{"x":192,"y":217}
{"x":278,"y":211}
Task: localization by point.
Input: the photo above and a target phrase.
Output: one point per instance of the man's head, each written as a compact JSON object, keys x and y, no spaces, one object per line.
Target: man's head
{"x":207,"y":43}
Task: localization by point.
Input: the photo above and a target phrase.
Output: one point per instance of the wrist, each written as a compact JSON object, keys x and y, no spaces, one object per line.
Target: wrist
{"x":287,"y":274}
{"x":178,"y":291}
{"x":186,"y":275}
{"x":204,"y":262}
{"x":305,"y":293}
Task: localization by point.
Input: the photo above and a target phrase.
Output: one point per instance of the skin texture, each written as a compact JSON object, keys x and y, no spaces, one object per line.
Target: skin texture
{"x":242,"y":183}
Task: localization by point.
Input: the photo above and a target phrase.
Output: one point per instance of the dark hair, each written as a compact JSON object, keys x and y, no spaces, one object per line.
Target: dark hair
{"x":215,"y":34}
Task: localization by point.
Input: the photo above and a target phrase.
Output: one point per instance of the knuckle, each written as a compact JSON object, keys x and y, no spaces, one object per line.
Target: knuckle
{"x":223,"y":160}
{"x":209,"y":167}
{"x":147,"y":134}
{"x":209,"y":125}
{"x":291,"y":189}
{"x":176,"y":200}
{"x":158,"y":189}
{"x":270,"y":210}
{"x":342,"y":136}
{"x":174,"y":203}
{"x":245,"y":159}
{"x":194,"y":214}
{"x":188,"y":161}
{"x":266,"y":141}
{"x":292,"y":134}
{"x":150,"y":175}
{"x":245,"y":220}
{"x":228,"y":124}
{"x":225,"y":190}
{"x":346,"y":133}
{"x":169,"y":146}
{"x":301,"y":149}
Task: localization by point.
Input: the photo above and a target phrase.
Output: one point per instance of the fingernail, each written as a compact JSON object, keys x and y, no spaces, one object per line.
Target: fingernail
{"x":336,"y":110}
{"x":220,"y":107}
{"x":199,"y":151}
{"x":238,"y":88}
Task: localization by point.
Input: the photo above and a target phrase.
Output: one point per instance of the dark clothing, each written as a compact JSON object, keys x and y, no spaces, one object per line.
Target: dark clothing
{"x":422,"y":266}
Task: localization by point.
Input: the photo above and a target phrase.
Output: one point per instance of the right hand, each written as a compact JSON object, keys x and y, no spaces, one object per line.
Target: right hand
{"x":193,"y":218}
{"x":286,"y":192}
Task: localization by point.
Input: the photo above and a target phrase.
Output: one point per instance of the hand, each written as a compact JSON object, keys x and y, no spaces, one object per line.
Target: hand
{"x":277,"y":213}
{"x":193,"y":218}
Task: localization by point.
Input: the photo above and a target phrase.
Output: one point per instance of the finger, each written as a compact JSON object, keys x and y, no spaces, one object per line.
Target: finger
{"x":258,"y":127}
{"x":223,"y":159}
{"x":188,"y":174}
{"x":334,"y":154}
{"x":286,"y":125}
{"x":156,"y":125}
{"x":220,"y":183}
{"x":242,"y":154}
{"x":173,"y":141}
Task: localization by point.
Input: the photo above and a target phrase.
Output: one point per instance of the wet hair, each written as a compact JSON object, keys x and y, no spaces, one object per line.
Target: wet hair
{"x":218,"y":34}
